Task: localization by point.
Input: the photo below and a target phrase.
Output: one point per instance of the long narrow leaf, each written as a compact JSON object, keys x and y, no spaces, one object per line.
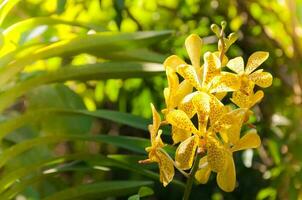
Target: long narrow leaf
{"x":98,"y":71}
{"x":100,"y":190}
{"x":5,"y":7}
{"x":31,"y":23}
{"x":96,"y":44}
{"x":134,"y":144}
{"x":125,"y":162}
{"x":123,"y":118}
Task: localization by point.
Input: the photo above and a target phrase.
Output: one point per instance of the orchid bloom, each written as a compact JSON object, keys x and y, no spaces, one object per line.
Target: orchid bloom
{"x":248,"y":76}
{"x":206,"y":122}
{"x":220,"y":160}
{"x":156,"y":153}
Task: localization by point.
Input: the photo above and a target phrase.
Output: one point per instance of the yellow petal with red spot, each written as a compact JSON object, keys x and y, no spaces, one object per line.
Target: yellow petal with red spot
{"x":180,"y":119}
{"x":262,"y":79}
{"x":211,"y":68}
{"x":255,"y":60}
{"x":216,"y":109}
{"x":220,"y":95}
{"x":201,"y":102}
{"x":166,"y":167}
{"x":250,"y":140}
{"x":225,"y":82}
{"x":246,"y":85}
{"x":216,"y":154}
{"x":187,"y":106}
{"x":256,"y":98}
{"x":230,"y":123}
{"x":226,"y":179}
{"x":193,"y":45}
{"x":172,"y":62}
{"x":240,"y":99}
{"x":185,"y":153}
{"x":202,"y":175}
{"x":236,"y":65}
{"x":189,"y":74}
{"x":179,"y":135}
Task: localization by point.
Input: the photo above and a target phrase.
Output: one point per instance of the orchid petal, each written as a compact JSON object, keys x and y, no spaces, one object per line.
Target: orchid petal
{"x":255,"y":60}
{"x":226,"y":179}
{"x":250,"y":140}
{"x":185,"y":152}
{"x":236,"y":65}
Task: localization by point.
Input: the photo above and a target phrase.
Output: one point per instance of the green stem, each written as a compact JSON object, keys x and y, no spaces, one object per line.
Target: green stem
{"x":191,"y":178}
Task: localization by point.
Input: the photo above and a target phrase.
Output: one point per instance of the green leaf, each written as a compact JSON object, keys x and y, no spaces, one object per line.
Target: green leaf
{"x":145,"y":191}
{"x":100,"y":189}
{"x":58,"y":96}
{"x":96,"y":44}
{"x":37,"y":115}
{"x":98,"y":71}
{"x":131,"y":143}
{"x":61,"y":6}
{"x":31,"y":23}
{"x":134,"y":197}
{"x":5,"y":7}
{"x":126,"y":162}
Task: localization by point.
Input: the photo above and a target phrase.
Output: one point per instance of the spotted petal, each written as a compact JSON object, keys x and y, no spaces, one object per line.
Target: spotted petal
{"x":211,"y":68}
{"x":226,"y":179}
{"x":179,"y":135}
{"x":255,"y":60}
{"x":179,"y":119}
{"x":187,"y":106}
{"x":201,"y":102}
{"x":217,"y":109}
{"x":262,"y":79}
{"x":185,"y":152}
{"x":166,"y":167}
{"x":202,"y":175}
{"x":240,"y":99}
{"x":216,"y":154}
{"x":193,"y":45}
{"x":172,"y":62}
{"x":230,"y":123}
{"x":250,"y":140}
{"x":225,"y":82}
{"x":189,"y":74}
{"x":257,"y":97}
{"x":236,"y":65}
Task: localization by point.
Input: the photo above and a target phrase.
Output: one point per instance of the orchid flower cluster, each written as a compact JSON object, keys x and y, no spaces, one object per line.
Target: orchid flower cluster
{"x":207,"y":105}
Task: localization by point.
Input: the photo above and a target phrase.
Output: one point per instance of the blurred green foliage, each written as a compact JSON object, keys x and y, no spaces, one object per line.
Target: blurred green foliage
{"x":47,"y":85}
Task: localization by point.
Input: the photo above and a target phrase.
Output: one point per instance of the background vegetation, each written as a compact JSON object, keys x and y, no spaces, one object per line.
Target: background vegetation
{"x":77,"y":78}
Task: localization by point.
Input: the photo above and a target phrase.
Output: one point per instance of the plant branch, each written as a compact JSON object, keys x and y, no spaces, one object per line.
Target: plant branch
{"x":190,"y":180}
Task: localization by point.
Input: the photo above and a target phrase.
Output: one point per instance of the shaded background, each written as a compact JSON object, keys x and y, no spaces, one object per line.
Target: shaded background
{"x":271,"y":172}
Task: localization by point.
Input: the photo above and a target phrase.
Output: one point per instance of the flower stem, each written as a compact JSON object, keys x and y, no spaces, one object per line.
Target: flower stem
{"x":191,"y":178}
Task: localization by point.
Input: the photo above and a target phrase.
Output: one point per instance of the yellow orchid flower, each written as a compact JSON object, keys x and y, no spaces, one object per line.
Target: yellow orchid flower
{"x":249,"y":76}
{"x":243,"y":100}
{"x":228,"y":125}
{"x":176,"y":91}
{"x":220,"y":160}
{"x":213,"y":80}
{"x":156,"y":151}
{"x":202,"y":125}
